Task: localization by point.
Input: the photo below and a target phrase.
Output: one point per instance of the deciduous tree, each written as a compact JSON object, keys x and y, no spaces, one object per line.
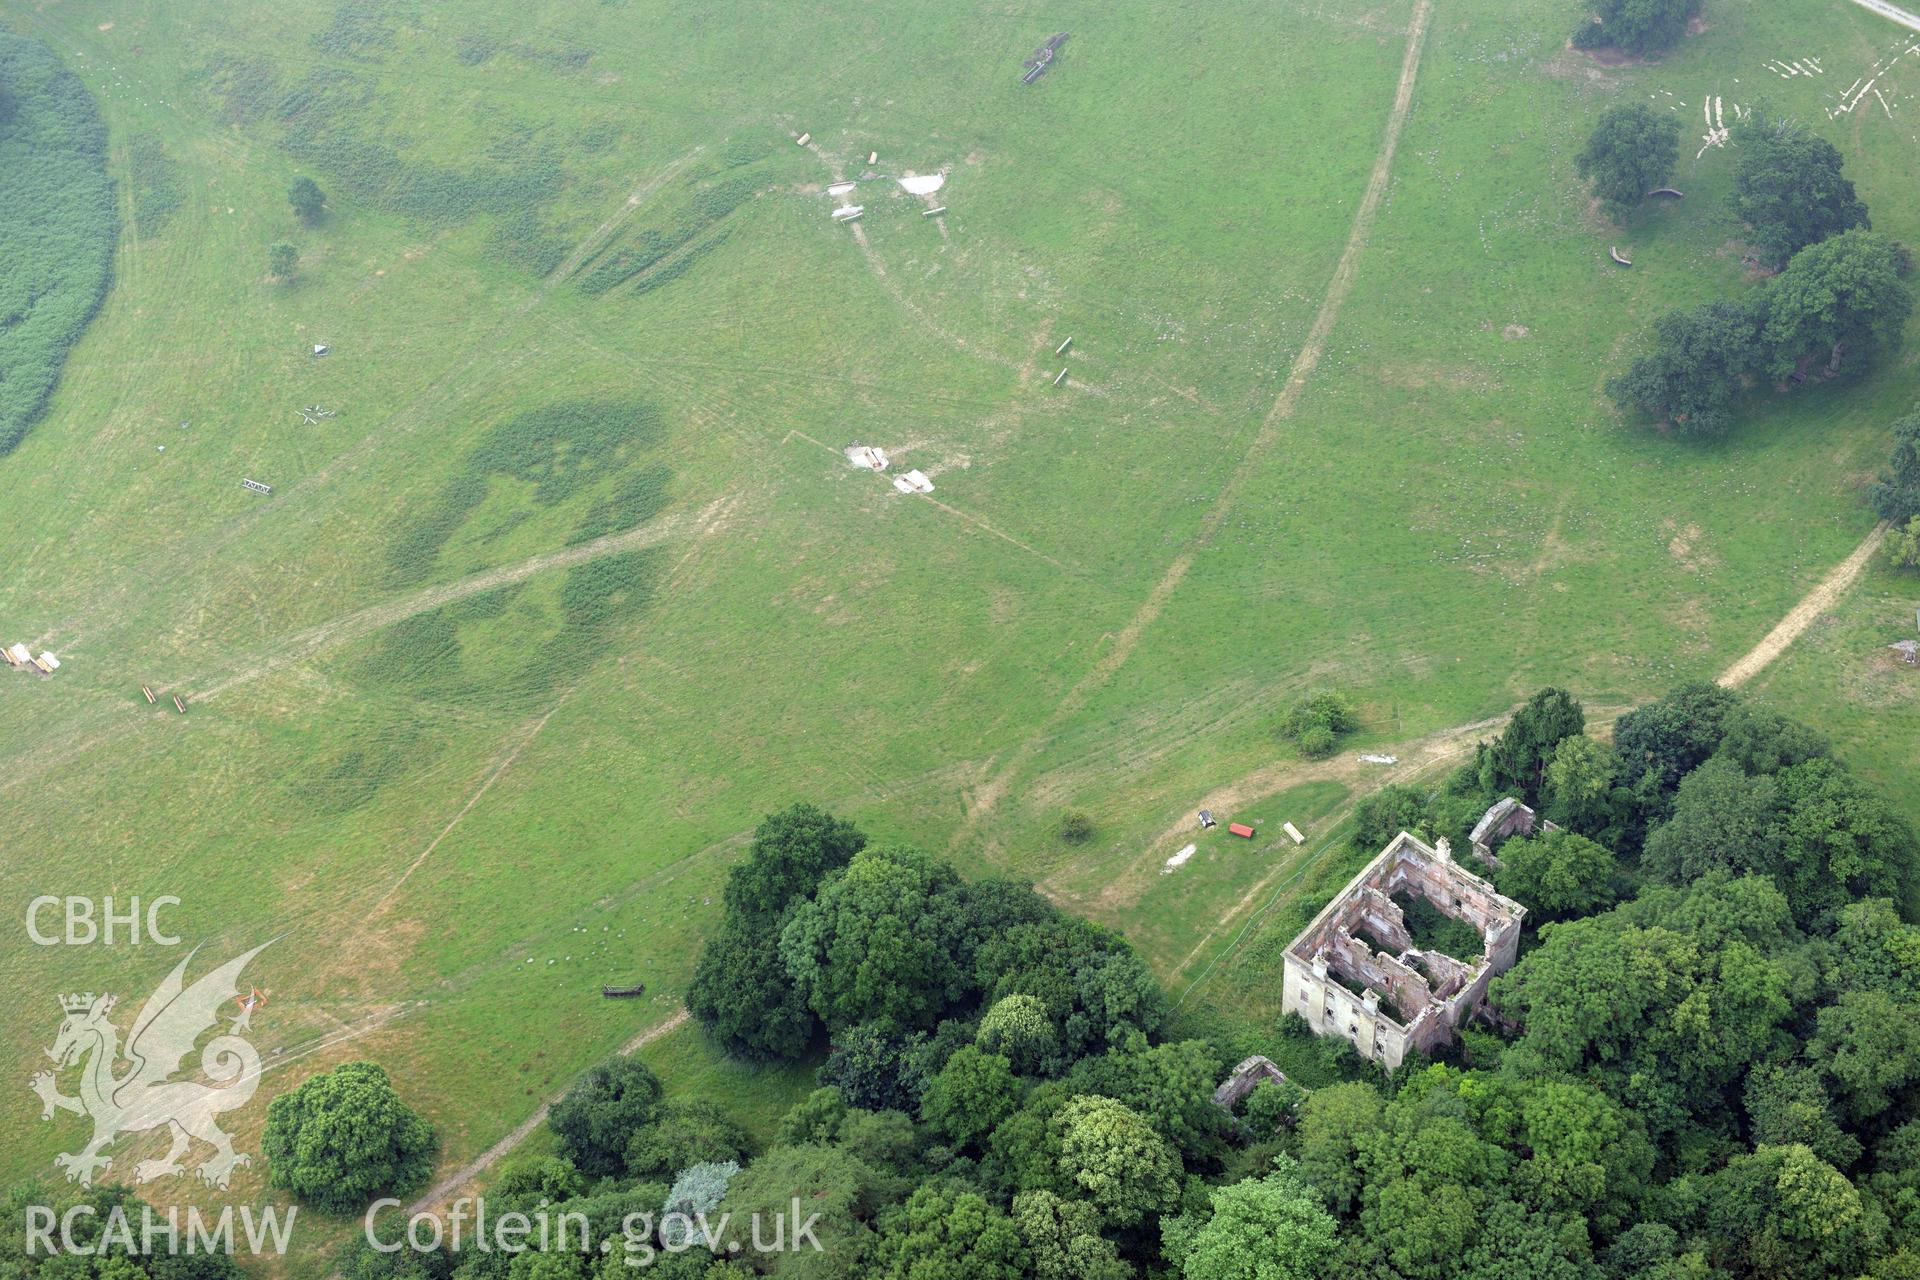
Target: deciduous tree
{"x":1700,"y":361}
{"x":1556,"y":874}
{"x":1788,"y":187}
{"x":742,"y":993}
{"x":343,"y":1137}
{"x":883,"y":938}
{"x":1270,"y":1228}
{"x":1630,"y":152}
{"x":1063,"y":1239}
{"x":1116,"y":1159}
{"x":601,"y":1115}
{"x":1783,"y":1213}
{"x":941,"y":1233}
{"x":1636,"y":26}
{"x":973,"y":1093}
{"x":1869,"y":1044}
{"x":1517,"y":763}
{"x":1896,"y":494}
{"x":1843,"y":296}
{"x":1017,"y":1027}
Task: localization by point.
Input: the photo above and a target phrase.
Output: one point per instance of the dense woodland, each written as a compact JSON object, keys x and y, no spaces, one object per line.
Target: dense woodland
{"x":1705,"y":1064}
{"x":57,"y":225}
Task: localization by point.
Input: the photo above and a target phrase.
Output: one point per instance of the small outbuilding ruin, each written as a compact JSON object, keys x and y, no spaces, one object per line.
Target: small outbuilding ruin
{"x":1507,"y":818}
{"x":1358,"y":972}
{"x":1244,"y":1079}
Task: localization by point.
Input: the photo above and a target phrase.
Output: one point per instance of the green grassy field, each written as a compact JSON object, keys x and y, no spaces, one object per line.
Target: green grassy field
{"x":1842,"y":677}
{"x":577,"y":584}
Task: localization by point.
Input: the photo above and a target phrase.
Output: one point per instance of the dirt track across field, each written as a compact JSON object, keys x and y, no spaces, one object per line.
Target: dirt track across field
{"x":1816,"y":602}
{"x":1308,"y":359}
{"x":463,"y":1177}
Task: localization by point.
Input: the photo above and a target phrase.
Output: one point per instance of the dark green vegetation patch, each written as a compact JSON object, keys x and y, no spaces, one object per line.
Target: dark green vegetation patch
{"x":680,"y":234}
{"x":56,"y":226}
{"x":560,"y":450}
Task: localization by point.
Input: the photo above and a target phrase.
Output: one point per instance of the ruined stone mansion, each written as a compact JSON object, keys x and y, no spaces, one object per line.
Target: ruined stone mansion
{"x":1356,"y":972}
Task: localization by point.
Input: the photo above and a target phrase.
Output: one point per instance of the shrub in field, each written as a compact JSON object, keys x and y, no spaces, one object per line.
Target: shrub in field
{"x":282,"y":260}
{"x":1315,"y":723}
{"x":1076,"y":828}
{"x":306,"y":198}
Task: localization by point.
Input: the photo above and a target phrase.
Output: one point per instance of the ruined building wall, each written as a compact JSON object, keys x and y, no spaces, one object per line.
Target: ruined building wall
{"x":1414,"y":998}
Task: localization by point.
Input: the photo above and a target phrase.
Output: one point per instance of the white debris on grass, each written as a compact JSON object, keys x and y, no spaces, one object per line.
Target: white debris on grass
{"x":848,"y":212}
{"x":867,"y":456}
{"x":924,"y":185}
{"x":840,"y":188}
{"x":1177,"y":859}
{"x":1857,"y":91}
{"x":1717,"y":133}
{"x":1293,"y":831}
{"x":1373,"y":759}
{"x":913,"y":482}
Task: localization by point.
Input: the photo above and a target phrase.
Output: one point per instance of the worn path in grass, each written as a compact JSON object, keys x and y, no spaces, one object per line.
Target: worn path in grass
{"x":1422,"y":757}
{"x":463,"y":1177}
{"x":376,"y":617}
{"x":1816,"y":602}
{"x":362,"y":622}
{"x":1284,"y":407}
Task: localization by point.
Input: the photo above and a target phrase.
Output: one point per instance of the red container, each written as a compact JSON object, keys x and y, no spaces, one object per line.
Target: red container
{"x":1240,"y":829}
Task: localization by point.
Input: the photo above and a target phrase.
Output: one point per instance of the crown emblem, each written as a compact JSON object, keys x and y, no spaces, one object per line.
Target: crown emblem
{"x":82,"y":1003}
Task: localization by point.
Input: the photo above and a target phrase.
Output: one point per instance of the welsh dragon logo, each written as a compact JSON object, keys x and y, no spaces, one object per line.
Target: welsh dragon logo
{"x":146,"y":1096}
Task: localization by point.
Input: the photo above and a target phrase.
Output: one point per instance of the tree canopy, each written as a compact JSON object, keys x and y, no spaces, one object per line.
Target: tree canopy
{"x":1896,"y":493}
{"x":1789,"y":189}
{"x":344,"y":1137}
{"x":1636,"y":26}
{"x":1702,"y":1068}
{"x":1631,"y":151}
{"x":1841,"y":296}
